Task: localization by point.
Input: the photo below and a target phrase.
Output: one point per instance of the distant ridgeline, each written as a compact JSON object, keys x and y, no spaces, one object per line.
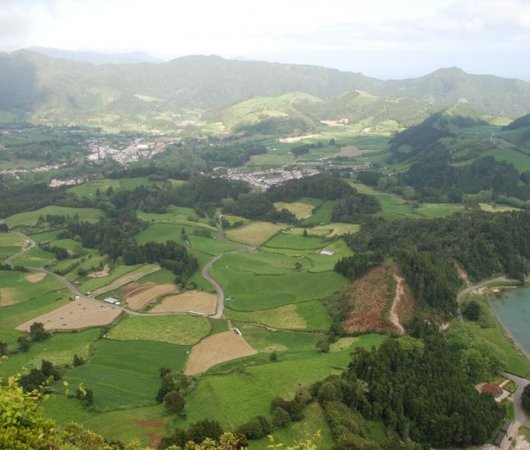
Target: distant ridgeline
{"x":426,"y":250}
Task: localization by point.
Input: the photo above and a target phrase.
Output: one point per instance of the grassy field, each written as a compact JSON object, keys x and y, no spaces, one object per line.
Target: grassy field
{"x":36,"y":257}
{"x":518,"y":159}
{"x":263,"y":263}
{"x":394,"y":207}
{"x":322,"y":214}
{"x":243,"y":394}
{"x":286,"y":240}
{"x":119,"y":270}
{"x":251,"y":292}
{"x":310,"y":315}
{"x":59,"y":349}
{"x":142,"y":423}
{"x":180,"y":330}
{"x":10,"y":244}
{"x":30,"y":218}
{"x":255,"y":233}
{"x":126,"y":374}
{"x":299,"y":209}
{"x":89,"y":189}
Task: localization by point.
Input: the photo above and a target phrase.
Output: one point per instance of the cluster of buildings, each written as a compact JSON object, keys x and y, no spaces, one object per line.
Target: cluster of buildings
{"x":39,"y":169}
{"x":133,"y":151}
{"x":264,"y":179}
{"x":56,"y":182}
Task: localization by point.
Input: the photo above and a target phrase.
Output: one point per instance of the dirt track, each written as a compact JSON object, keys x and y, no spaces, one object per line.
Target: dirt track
{"x":400,"y":292}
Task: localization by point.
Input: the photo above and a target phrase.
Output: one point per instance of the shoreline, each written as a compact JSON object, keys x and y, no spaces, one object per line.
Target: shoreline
{"x":518,"y":346}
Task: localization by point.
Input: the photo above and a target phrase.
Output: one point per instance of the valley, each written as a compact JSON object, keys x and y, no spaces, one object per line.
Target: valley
{"x":255,"y":256}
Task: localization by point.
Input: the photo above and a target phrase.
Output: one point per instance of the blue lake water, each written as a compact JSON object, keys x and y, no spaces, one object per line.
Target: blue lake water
{"x":513,"y":310}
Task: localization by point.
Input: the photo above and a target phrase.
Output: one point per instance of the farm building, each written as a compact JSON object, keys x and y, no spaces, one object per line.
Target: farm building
{"x":326,"y":252}
{"x":112,"y":301}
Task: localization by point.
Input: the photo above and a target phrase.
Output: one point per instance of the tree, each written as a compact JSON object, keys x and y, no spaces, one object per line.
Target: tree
{"x":78,"y":361}
{"x":304,"y":234}
{"x":472,"y":310}
{"x":174,"y":403}
{"x":38,"y":333}
{"x":24,"y":344}
{"x":203,"y":429}
{"x":3,"y":348}
{"x":273,"y":357}
{"x":33,"y":381}
{"x":48,"y":369}
{"x":255,"y":428}
{"x":281,"y":418}
{"x":21,"y":427}
{"x":525,"y":399}
{"x":85,"y":395}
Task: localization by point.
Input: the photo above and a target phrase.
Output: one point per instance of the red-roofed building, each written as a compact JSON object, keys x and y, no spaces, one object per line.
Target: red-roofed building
{"x":492,"y":389}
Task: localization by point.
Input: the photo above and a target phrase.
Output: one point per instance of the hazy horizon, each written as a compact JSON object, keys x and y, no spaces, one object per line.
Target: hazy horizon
{"x":381,"y":38}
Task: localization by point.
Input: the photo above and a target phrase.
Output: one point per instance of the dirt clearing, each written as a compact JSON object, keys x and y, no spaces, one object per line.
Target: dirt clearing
{"x":369,"y":298}
{"x":215,"y":350}
{"x":349,"y":151}
{"x":292,"y":140}
{"x":75,"y":316}
{"x":400,"y":292}
{"x":101,"y":273}
{"x":127,"y":278}
{"x":138,"y":296}
{"x":189,"y":301}
{"x":35,"y":277}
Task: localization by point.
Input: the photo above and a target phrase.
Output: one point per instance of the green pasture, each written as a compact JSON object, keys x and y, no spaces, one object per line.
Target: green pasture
{"x":311,"y":315}
{"x":313,"y":427}
{"x":45,"y":237}
{"x":180,"y":330}
{"x":177,"y":215}
{"x":247,"y":392}
{"x":9,"y":336}
{"x":59,"y":349}
{"x":254,"y":233}
{"x":287,"y":240}
{"x":125,"y":375}
{"x":122,"y":425}
{"x":36,"y":257}
{"x":90,"y":188}
{"x":251,"y":292}
{"x":15,"y":288}
{"x":520,"y":160}
{"x":394,"y":207}
{"x":30,"y":218}
{"x":321,"y":215}
{"x":263,"y":263}
{"x":10,"y":244}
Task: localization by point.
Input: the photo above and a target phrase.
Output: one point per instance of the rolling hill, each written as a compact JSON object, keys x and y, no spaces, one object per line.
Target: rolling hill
{"x":51,"y":91}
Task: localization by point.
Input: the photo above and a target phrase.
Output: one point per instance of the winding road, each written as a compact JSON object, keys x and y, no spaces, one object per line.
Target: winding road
{"x":29,"y":244}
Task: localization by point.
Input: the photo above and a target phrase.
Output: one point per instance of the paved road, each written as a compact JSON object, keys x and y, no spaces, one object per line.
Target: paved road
{"x":461,"y":294}
{"x":29,"y":243}
{"x":218,"y":288}
{"x":521,"y":383}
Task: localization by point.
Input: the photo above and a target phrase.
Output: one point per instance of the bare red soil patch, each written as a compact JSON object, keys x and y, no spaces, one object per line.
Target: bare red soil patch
{"x":157,"y":428}
{"x":370,"y":297}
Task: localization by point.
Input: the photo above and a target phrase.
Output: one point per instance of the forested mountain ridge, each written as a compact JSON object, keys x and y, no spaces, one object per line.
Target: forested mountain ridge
{"x":43,"y":89}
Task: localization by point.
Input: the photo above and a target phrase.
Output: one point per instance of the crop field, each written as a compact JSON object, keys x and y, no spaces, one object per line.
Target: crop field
{"x":75,"y":315}
{"x":30,"y":218}
{"x":251,"y":292}
{"x":299,"y":209}
{"x":126,"y":374}
{"x":180,"y":330}
{"x":255,"y":233}
{"x":45,"y":237}
{"x":177,"y":215}
{"x":59,"y":349}
{"x":310,"y":315}
{"x":216,"y":349}
{"x":196,"y":301}
{"x":127,"y":275}
{"x":138,"y":296}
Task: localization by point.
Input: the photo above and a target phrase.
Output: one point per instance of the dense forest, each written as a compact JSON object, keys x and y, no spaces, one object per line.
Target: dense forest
{"x":389,"y":384}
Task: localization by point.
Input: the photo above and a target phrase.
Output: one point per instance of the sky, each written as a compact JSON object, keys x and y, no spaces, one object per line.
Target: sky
{"x":379,"y":38}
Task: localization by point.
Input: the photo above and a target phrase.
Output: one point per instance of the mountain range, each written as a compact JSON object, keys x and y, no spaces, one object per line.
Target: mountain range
{"x":49,"y":90}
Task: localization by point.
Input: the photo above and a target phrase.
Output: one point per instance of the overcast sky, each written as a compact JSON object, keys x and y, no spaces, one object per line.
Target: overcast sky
{"x":381,"y":38}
